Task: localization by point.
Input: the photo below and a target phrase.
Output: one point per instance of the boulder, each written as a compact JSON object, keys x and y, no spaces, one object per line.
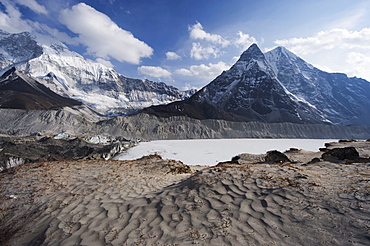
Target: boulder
{"x":314,"y":160}
{"x":275,"y":156}
{"x":347,"y":153}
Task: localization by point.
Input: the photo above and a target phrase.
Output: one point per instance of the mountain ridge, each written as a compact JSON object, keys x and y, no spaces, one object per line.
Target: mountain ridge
{"x":19,"y":91}
{"x":277,"y":86}
{"x":70,"y":74}
{"x":340,"y":99}
{"x":249,"y":91}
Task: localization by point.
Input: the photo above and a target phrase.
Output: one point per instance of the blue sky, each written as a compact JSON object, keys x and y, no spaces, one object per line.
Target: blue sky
{"x":187,"y":43}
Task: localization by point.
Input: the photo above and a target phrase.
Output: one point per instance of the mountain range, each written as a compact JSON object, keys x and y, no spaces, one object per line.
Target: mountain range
{"x":272,"y":88}
{"x":275,"y":87}
{"x":71,"y":75}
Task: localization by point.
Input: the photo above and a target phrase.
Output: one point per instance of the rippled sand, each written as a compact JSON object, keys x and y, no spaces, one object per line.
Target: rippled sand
{"x":160,"y":202}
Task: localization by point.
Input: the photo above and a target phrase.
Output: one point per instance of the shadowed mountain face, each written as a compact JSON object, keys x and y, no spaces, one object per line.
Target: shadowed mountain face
{"x":249,"y":91}
{"x":340,"y":99}
{"x":20,"y":91}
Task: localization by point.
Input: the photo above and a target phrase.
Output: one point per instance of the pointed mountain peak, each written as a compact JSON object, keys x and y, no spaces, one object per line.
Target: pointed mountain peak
{"x":253,"y":52}
{"x":12,"y":72}
{"x":281,"y":51}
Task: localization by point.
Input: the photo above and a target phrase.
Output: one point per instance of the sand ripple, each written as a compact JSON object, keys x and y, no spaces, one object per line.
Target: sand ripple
{"x":148,"y":203}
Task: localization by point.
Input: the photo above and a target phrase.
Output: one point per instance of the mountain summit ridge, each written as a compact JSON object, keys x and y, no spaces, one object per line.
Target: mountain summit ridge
{"x":272,"y":87}
{"x":70,"y":74}
{"x":275,"y":87}
{"x":340,"y":99}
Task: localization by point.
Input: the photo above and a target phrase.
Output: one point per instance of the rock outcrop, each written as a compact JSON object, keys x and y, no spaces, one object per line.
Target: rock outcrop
{"x":18,"y":151}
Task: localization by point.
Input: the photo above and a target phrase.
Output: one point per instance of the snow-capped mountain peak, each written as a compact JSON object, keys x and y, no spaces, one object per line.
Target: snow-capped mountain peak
{"x":253,"y":56}
{"x":339,"y":99}
{"x":248,"y":91}
{"x":70,"y":74}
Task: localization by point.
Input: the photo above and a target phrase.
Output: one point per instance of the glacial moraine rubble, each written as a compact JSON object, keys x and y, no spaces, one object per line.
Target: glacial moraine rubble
{"x":16,"y":151}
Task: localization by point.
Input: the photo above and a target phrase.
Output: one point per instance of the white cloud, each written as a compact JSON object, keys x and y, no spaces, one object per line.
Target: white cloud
{"x":12,"y":21}
{"x":172,"y":56}
{"x":188,"y":86}
{"x":329,"y":40}
{"x":360,"y":64}
{"x":209,"y":71}
{"x":198,"y":52}
{"x":102,"y":36}
{"x":338,"y":50}
{"x":234,"y":60}
{"x":104,"y":62}
{"x":244,"y":40}
{"x":197,"y":32}
{"x":61,"y":36}
{"x":156,"y":72}
{"x":33,"y":5}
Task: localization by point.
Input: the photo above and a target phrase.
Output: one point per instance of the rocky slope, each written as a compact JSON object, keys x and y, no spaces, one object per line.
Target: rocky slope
{"x":19,"y":91}
{"x":340,"y":99}
{"x":76,"y":121}
{"x":18,"y":151}
{"x":69,"y":74}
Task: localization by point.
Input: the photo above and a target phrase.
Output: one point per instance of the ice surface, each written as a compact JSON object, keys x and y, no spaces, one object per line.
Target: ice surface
{"x":211,"y":151}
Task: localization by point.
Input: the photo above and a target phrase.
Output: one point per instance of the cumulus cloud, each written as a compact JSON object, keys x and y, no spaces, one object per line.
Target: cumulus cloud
{"x":188,"y":86}
{"x":33,"y":5}
{"x":11,"y":20}
{"x":197,"y":32}
{"x":172,"y":56}
{"x":244,"y":40}
{"x":198,"y":52}
{"x":104,"y":62}
{"x":338,"y":50}
{"x":156,"y":72}
{"x":329,"y":40}
{"x":360,"y":64}
{"x":102,"y":37}
{"x":204,"y":71}
{"x":213,"y":45}
{"x":61,"y":36}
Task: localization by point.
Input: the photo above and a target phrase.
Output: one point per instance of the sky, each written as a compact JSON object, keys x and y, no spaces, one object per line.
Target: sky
{"x":187,"y":43}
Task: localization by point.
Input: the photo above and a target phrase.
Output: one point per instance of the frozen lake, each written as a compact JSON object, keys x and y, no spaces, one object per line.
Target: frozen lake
{"x":211,"y":151}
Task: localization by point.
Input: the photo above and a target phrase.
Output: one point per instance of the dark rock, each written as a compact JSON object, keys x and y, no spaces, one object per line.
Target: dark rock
{"x":347,"y":141}
{"x":323,"y":149}
{"x":275,"y":156}
{"x":292,"y":150}
{"x":314,"y":160}
{"x":235,"y":159}
{"x":17,"y":151}
{"x":347,"y":153}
